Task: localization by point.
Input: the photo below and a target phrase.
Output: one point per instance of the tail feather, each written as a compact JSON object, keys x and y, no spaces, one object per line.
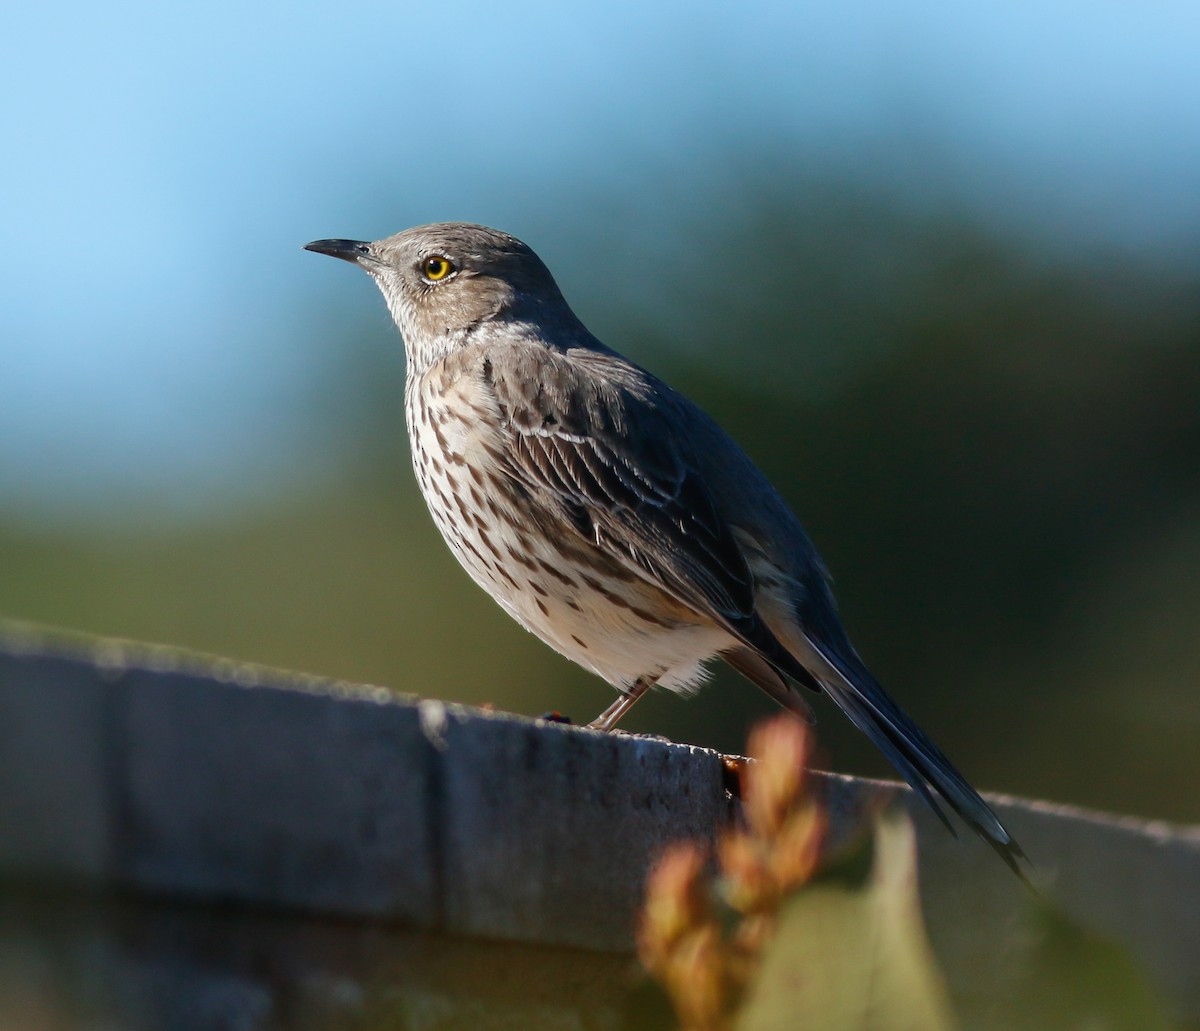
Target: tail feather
{"x":901,"y":741}
{"x":911,"y":751}
{"x":893,"y":750}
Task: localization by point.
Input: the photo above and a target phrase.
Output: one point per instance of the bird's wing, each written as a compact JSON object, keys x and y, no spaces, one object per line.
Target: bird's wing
{"x":611,"y":463}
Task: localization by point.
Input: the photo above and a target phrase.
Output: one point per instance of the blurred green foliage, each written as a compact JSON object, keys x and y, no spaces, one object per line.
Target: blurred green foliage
{"x":995,"y":444}
{"x":850,"y":952}
{"x":1070,"y":977}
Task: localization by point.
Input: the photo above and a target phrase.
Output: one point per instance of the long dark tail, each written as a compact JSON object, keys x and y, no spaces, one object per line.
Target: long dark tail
{"x":902,"y":742}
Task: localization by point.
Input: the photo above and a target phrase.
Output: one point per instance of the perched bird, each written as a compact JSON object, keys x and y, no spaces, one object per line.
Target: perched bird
{"x":607,"y":513}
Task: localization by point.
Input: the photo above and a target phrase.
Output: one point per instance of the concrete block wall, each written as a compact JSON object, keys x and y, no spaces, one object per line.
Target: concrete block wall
{"x":143,"y":768}
{"x":193,"y":778}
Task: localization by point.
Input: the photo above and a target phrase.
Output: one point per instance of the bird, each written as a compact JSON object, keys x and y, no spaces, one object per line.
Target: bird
{"x":607,"y":513}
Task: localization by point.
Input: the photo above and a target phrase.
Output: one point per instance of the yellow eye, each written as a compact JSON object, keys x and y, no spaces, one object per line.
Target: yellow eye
{"x":436,"y":267}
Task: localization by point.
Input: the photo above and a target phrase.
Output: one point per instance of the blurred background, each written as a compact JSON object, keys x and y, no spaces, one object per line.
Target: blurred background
{"x":935,"y":267}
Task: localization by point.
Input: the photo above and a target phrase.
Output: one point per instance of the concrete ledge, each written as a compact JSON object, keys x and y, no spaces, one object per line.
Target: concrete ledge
{"x":546,"y":831}
{"x":1136,"y":882}
{"x":168,"y":773}
{"x":261,"y":794}
{"x":195,"y":778}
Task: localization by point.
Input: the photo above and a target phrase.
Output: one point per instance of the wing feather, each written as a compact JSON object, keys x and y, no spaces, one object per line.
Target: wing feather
{"x":603,"y":451}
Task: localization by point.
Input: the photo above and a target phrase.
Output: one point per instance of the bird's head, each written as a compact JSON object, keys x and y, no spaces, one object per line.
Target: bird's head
{"x":442,"y":282}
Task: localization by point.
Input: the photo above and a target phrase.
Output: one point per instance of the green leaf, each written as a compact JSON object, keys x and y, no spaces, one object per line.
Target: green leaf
{"x":1074,"y":978}
{"x":850,"y":953}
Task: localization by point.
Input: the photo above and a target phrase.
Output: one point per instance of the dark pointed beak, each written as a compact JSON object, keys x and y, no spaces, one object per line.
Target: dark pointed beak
{"x":348,"y":250}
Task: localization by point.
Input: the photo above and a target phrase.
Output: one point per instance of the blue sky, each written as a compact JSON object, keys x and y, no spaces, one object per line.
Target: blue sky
{"x":163,"y":164}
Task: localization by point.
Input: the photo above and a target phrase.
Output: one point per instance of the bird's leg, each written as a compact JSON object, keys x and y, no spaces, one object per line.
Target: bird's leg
{"x":608,"y":718}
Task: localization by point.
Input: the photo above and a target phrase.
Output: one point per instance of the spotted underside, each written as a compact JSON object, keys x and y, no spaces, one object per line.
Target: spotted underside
{"x":484,"y":457}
